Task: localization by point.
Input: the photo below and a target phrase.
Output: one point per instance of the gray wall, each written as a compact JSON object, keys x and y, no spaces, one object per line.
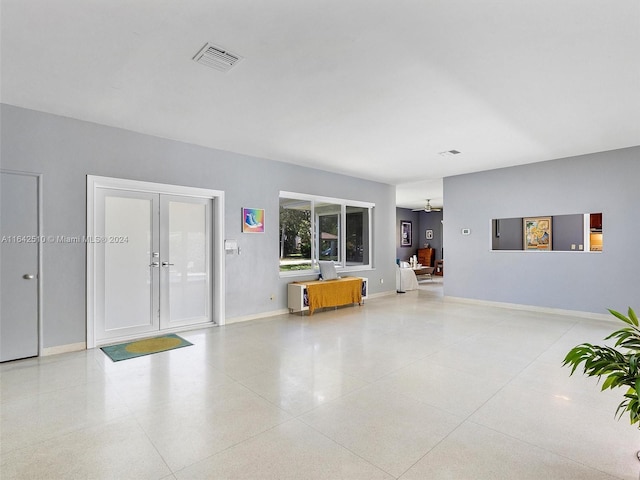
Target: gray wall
{"x":568,"y":230}
{"x":65,"y":150}
{"x":507,"y":234}
{"x":591,"y":282}
{"x":432,"y":221}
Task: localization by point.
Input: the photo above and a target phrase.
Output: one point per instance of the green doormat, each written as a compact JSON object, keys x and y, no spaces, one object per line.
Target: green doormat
{"x":139,"y":348}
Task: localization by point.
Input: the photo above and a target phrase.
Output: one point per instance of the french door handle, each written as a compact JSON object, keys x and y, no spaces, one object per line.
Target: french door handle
{"x":154,"y":264}
{"x":167,"y":264}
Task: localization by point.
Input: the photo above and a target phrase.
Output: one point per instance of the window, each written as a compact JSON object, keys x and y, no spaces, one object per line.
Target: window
{"x":328,"y":222}
{"x":319,"y":228}
{"x":357,"y":236}
{"x":295,"y":234}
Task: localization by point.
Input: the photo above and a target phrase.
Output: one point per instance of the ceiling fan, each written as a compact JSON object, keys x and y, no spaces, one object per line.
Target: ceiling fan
{"x":427,"y":208}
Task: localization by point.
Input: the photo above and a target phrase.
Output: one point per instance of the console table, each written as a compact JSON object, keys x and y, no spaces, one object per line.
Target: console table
{"x":311,"y":295}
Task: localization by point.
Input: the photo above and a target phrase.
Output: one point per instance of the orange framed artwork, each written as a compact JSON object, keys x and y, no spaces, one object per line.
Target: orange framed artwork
{"x":537,"y":233}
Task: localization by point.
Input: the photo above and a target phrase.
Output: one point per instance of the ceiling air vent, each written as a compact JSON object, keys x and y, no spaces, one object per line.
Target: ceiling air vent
{"x":449,"y":153}
{"x":216,"y":57}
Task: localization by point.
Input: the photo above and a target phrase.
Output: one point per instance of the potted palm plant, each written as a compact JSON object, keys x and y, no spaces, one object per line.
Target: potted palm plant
{"x":620,"y":368}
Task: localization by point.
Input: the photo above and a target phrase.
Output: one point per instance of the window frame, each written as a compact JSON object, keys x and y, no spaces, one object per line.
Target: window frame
{"x":342,"y":228}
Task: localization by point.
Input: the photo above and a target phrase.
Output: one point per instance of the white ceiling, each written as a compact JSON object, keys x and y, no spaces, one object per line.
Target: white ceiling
{"x":369,"y":88}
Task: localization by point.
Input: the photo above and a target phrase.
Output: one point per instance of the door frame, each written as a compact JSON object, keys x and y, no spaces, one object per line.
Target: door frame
{"x":41,"y":240}
{"x":218,"y":273}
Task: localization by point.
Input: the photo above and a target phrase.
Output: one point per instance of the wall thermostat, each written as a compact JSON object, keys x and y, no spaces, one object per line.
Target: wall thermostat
{"x":466,"y":231}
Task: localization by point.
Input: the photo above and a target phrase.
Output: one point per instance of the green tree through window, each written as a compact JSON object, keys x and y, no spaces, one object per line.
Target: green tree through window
{"x":295,"y":234}
{"x":322,"y":228}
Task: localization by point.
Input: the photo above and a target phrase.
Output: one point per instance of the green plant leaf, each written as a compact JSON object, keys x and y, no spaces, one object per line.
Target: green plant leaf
{"x":621,"y":316}
{"x":608,"y":382}
{"x":614,"y":367}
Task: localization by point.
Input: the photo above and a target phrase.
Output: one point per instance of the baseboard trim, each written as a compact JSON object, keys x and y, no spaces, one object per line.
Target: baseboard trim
{"x":285,"y":311}
{"x":531,"y":308}
{"x":71,"y":347}
{"x":256,"y":316}
{"x":381,"y":294}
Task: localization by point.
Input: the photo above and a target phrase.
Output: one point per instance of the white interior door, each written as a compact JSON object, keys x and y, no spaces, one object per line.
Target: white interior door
{"x":19,"y":249}
{"x":185,"y":247}
{"x":128,"y":264}
{"x":153,"y":262}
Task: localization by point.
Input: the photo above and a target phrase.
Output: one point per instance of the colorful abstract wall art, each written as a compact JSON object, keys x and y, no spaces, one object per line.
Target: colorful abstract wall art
{"x":253,"y":220}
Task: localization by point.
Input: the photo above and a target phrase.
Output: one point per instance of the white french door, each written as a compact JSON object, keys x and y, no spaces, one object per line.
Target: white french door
{"x":153,"y":262}
{"x":185,"y":261}
{"x":127,"y":248}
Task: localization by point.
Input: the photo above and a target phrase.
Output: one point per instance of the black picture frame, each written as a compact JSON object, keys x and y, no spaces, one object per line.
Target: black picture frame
{"x":406,"y":237}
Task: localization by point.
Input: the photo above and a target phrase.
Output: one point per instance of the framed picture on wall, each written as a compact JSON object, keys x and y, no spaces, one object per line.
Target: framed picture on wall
{"x":429,"y":234}
{"x":537,"y":233}
{"x":252,"y":220}
{"x":405,"y":233}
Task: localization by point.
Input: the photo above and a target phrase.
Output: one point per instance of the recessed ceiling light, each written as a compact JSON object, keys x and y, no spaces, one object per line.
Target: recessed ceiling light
{"x":216,"y":57}
{"x":449,"y":153}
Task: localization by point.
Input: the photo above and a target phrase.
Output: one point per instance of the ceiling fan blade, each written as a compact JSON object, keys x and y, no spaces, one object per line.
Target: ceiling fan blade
{"x":427,"y":208}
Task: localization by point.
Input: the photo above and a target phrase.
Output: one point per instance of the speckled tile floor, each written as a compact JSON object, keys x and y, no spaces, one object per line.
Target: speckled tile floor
{"x":407,"y":386}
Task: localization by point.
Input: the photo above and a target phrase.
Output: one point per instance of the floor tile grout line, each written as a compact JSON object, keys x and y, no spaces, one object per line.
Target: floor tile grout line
{"x":346,"y":448}
{"x":542,"y":449}
{"x":468,"y":417}
{"x":83,"y":428}
{"x":155,"y":447}
{"x":229,"y":447}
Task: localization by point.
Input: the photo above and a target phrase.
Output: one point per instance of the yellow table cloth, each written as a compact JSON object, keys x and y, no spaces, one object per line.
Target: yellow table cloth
{"x":333,"y":293}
